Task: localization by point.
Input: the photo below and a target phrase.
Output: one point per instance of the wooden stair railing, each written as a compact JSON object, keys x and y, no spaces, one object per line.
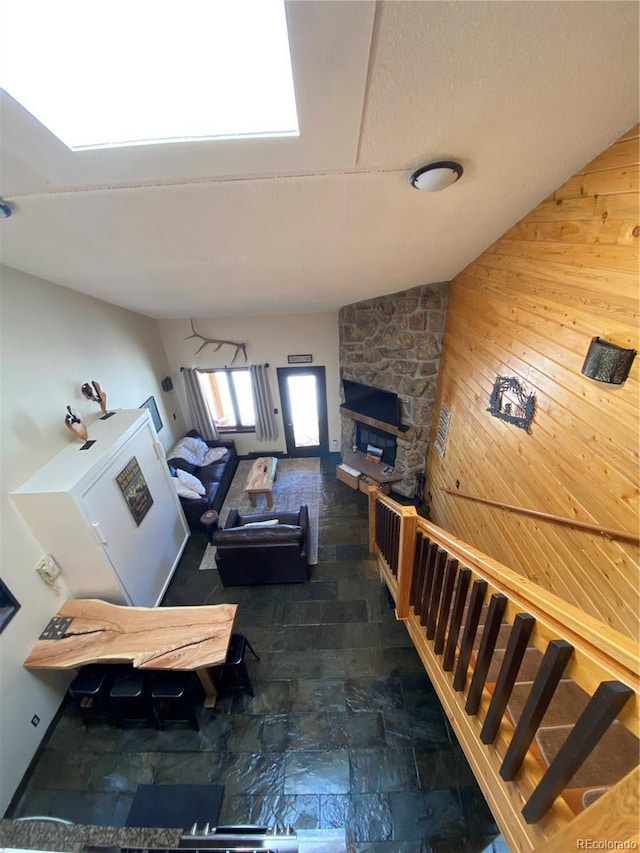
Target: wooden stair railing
{"x":531,"y":685}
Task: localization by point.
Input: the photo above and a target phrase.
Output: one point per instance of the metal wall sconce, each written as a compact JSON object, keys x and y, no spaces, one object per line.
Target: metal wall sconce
{"x":607,"y":362}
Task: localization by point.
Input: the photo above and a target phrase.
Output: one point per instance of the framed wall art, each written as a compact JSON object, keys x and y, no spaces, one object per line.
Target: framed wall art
{"x":9,"y":606}
{"x":510,"y":402}
{"x":155,"y":414}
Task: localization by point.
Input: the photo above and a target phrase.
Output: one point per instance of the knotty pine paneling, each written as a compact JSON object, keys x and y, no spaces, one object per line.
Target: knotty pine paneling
{"x":528,"y":307}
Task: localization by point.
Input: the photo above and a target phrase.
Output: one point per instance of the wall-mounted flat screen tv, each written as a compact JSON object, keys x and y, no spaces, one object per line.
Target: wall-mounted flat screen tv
{"x":372,"y":402}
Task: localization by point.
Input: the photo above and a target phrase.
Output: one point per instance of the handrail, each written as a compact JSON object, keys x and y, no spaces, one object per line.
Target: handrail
{"x":622,"y":651}
{"x":424,"y":568}
{"x":611,"y":532}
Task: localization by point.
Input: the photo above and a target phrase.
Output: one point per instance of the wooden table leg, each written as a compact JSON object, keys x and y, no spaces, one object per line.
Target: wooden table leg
{"x":269,"y":497}
{"x":252,"y":498}
{"x":207,"y":682}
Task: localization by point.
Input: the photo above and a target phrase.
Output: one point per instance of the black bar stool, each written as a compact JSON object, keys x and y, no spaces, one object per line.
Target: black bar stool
{"x":128,"y":698}
{"x":90,"y":692}
{"x":170,"y":698}
{"x":232,"y":674}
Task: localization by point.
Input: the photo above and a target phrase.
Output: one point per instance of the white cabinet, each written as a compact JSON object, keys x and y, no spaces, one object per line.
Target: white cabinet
{"x":109,"y":514}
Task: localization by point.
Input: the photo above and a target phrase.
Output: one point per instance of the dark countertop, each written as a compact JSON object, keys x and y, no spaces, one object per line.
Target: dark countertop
{"x":46,"y":835}
{"x":73,"y":838}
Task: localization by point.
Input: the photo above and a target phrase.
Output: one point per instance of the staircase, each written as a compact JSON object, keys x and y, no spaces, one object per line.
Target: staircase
{"x":543,"y":698}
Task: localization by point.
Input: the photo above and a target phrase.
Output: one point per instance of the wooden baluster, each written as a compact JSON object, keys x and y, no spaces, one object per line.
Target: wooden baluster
{"x":445,"y":605}
{"x":425,"y":596}
{"x":602,"y":709}
{"x":553,"y":665}
{"x":436,"y":592}
{"x":478,"y":591}
{"x":387,"y":536}
{"x":516,"y":647}
{"x":395,"y":550}
{"x":422,"y":543}
{"x":497,"y":606}
{"x":457,"y":612}
{"x":381,"y":526}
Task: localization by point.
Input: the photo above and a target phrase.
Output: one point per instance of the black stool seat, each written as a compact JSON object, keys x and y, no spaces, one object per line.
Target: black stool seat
{"x":90,"y":690}
{"x":170,"y":698}
{"x":128,"y":698}
{"x":232,"y":674}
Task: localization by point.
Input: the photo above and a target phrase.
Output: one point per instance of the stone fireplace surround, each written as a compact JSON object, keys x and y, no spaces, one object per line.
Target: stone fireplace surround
{"x":394,"y":342}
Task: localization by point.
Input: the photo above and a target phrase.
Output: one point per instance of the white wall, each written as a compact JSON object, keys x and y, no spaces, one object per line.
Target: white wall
{"x":51,"y":341}
{"x":268,"y":339}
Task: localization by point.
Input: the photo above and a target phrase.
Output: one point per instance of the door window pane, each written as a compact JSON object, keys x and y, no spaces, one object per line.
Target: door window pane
{"x":303,"y":397}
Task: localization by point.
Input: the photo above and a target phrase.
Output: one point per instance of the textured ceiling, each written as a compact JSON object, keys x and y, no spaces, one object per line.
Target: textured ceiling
{"x":523,"y":94}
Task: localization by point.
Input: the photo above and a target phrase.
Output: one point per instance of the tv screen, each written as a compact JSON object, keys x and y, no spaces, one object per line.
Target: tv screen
{"x":372,"y":402}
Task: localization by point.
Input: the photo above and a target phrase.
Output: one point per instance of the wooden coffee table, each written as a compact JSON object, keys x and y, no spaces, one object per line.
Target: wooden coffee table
{"x":261,"y":478}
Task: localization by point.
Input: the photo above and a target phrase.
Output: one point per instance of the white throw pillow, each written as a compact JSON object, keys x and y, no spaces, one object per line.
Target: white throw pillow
{"x":190,"y":481}
{"x":183,"y":491}
{"x":191,"y":449}
{"x":272,"y":522}
{"x":214,"y":454}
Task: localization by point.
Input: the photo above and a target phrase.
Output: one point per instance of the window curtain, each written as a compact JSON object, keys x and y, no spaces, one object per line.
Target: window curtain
{"x":200,"y":414}
{"x":266,"y":427}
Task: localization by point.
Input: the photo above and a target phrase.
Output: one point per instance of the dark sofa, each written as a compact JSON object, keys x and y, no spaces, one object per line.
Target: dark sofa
{"x":260,"y":555}
{"x":216,"y":478}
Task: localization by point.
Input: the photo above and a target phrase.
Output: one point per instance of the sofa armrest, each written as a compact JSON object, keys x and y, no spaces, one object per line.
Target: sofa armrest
{"x":229,"y":443}
{"x":304,"y":524}
{"x":233,"y":519}
{"x":285,"y":535}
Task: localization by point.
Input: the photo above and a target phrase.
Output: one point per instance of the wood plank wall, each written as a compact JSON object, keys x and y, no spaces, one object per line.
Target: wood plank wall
{"x":528,"y":307}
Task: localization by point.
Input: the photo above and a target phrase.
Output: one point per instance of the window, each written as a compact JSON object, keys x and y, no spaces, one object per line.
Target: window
{"x":229,"y":395}
{"x":150,"y":72}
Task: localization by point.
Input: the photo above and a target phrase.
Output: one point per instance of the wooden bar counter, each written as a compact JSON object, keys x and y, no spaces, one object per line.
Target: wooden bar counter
{"x":184,"y":638}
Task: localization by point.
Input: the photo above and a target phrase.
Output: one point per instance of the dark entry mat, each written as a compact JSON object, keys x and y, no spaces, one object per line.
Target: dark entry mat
{"x":175,"y":806}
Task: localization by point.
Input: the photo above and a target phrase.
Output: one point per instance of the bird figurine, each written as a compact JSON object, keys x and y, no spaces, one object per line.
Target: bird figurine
{"x":73,"y":423}
{"x":93,"y":391}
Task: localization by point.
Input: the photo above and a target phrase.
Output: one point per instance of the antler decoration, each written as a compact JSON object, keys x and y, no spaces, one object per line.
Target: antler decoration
{"x":240,"y":348}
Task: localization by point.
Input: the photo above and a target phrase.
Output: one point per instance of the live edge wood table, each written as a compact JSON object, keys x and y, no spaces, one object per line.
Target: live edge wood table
{"x":87,"y":630}
{"x":260,"y":479}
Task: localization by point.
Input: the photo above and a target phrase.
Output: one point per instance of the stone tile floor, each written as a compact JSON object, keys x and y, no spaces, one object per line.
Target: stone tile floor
{"x":345,"y":728}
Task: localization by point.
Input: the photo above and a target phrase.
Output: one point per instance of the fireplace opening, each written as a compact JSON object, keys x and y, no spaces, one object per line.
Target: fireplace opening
{"x":368,"y":436}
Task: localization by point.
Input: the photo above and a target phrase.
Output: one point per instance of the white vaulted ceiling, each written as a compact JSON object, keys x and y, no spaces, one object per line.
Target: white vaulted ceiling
{"x":521,"y":93}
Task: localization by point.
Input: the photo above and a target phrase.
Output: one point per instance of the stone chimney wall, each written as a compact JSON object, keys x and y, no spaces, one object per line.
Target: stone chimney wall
{"x":394,"y":342}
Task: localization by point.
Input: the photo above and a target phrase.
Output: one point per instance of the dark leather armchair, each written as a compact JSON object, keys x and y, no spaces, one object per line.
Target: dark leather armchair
{"x":260,"y":555}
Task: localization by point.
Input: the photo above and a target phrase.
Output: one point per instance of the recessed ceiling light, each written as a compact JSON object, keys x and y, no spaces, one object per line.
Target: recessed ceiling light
{"x":107,"y":74}
{"x":436,"y":176}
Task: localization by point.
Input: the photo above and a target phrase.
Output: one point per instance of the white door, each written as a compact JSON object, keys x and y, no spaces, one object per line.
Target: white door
{"x":136,"y":519}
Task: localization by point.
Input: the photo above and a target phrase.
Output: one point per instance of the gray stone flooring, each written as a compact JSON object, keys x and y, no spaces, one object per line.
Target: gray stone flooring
{"x":345,"y":728}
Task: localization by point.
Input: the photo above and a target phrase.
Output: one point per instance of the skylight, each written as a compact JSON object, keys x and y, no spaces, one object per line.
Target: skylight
{"x":110,"y":73}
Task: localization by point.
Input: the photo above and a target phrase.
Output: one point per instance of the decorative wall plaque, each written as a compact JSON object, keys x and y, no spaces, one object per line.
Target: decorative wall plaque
{"x":134,"y":487}
{"x":440,"y":443}
{"x":301,"y":358}
{"x":510,"y":402}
